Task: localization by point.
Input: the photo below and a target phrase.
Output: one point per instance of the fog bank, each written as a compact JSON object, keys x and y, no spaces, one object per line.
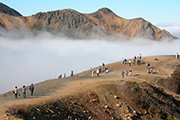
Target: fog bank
{"x":37,"y":58}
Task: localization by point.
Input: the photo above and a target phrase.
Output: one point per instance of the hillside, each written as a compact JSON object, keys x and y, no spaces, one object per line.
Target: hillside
{"x":141,"y":96}
{"x":70,"y":23}
{"x":7,"y":10}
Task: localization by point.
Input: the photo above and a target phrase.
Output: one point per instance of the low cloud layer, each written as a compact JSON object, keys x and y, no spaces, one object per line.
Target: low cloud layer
{"x":32,"y":59}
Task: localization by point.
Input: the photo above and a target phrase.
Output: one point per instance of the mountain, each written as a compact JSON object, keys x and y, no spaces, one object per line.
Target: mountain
{"x":73,"y":24}
{"x":7,"y":10}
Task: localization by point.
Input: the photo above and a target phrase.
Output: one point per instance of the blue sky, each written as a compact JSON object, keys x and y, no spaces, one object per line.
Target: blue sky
{"x":155,"y":11}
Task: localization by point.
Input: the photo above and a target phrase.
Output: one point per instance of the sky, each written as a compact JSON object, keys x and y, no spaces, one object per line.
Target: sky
{"x":154,"y":11}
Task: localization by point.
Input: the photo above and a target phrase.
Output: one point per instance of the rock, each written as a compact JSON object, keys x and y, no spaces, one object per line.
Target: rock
{"x":118,"y":105}
{"x":38,"y":109}
{"x":34,"y":118}
{"x":6,"y":115}
{"x":89,"y":117}
{"x":106,"y":106}
{"x":115,"y":96}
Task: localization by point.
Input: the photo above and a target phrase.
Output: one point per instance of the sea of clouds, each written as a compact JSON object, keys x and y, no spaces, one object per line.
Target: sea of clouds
{"x":26,"y":58}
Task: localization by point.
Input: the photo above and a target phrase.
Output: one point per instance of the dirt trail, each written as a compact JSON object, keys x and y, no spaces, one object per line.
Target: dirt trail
{"x":58,"y":88}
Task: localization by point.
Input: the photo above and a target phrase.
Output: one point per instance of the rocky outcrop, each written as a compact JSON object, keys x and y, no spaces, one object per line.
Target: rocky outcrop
{"x":73,"y":24}
{"x":67,"y":22}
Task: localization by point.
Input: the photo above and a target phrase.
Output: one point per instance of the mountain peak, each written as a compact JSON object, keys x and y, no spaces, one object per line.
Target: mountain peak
{"x":105,"y":10}
{"x":7,"y":10}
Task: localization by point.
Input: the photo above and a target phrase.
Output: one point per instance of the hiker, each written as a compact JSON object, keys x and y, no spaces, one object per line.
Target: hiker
{"x":138,"y":60}
{"x":125,"y":61}
{"x":24,"y":92}
{"x":122,"y":74}
{"x":107,"y":71}
{"x":60,"y":76}
{"x":71,"y":73}
{"x":140,"y":55}
{"x":148,"y":70}
{"x":97,"y":71}
{"x":129,"y":62}
{"x":130,"y":72}
{"x":64,"y":75}
{"x":90,"y":69}
{"x":151,"y":70}
{"x":92,"y":73}
{"x":31,"y":88}
{"x":177,"y":55}
{"x":122,"y":60}
{"x":147,"y":65}
{"x":134,"y":59}
{"x":103,"y":65}
{"x":15,"y":91}
{"x":127,"y":72}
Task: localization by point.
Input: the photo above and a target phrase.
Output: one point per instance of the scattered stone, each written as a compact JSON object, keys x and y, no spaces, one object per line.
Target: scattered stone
{"x":126,"y":115}
{"x":6,"y":115}
{"x":145,"y":112}
{"x":118,"y":105}
{"x":89,"y":117}
{"x":38,"y":109}
{"x":134,"y":112}
{"x":106,"y":106}
{"x":116,"y":97}
{"x":94,"y":100}
{"x":51,"y":111}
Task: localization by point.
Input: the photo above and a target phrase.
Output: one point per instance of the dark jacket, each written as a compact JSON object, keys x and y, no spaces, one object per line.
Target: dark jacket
{"x":31,"y":87}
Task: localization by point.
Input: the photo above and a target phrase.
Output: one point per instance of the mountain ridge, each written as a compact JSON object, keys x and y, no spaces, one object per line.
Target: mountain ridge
{"x":72,"y":24}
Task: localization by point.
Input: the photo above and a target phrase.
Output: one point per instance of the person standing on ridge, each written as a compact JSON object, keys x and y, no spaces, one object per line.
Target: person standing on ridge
{"x":122,"y":74}
{"x":64,"y":75}
{"x":15,"y":91}
{"x":106,"y":70}
{"x":151,"y":70}
{"x":24,"y":92}
{"x":129,"y":62}
{"x":134,"y":59}
{"x":97,"y":72}
{"x":125,"y":61}
{"x":103,"y":65}
{"x":130,"y":72}
{"x":71,"y":73}
{"x":99,"y":69}
{"x":177,"y":55}
{"x":31,"y":88}
{"x":92,"y":73}
{"x":127,"y":72}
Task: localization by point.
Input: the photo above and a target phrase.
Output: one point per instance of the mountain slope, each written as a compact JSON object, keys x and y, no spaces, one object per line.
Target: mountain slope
{"x":140,"y":96}
{"x":100,"y":24}
{"x":68,"y":22}
{"x":7,"y":10}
